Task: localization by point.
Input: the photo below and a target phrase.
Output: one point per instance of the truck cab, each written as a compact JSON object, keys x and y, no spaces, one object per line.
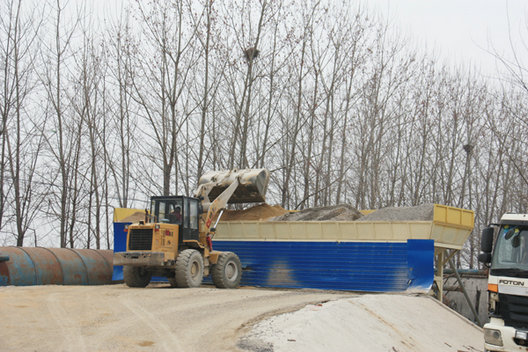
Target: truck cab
{"x":178,"y":210}
{"x":507,"y":258}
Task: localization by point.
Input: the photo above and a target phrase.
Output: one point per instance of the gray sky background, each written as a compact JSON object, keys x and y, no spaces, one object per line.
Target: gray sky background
{"x":459,"y":32}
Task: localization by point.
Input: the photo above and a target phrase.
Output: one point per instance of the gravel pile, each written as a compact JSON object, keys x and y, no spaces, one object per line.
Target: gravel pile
{"x":342,"y":212}
{"x":417,"y":213}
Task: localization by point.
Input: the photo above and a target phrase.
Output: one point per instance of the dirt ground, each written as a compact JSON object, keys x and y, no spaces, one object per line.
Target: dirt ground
{"x":158,"y":318}
{"x":118,"y":318}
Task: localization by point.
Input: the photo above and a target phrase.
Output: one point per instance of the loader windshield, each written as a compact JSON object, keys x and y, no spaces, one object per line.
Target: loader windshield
{"x":168,"y":210}
{"x":510,"y":257}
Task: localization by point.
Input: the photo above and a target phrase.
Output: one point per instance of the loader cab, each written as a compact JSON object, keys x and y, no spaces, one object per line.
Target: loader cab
{"x":178,"y":210}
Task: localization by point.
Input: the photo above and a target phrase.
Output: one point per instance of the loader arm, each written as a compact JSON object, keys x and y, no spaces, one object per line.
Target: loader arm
{"x":219,"y":203}
{"x":216,"y":189}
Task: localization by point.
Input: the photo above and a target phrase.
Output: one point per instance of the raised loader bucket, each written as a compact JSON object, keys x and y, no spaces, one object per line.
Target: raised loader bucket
{"x":252,"y":188}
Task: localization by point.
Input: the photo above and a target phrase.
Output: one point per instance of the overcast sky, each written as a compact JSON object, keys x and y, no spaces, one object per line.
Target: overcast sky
{"x":460,"y":30}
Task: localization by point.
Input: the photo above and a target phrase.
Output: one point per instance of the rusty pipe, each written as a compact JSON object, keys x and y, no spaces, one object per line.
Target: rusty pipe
{"x":24,"y":266}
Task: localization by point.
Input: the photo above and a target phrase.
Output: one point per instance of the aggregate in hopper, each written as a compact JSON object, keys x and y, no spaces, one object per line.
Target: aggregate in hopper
{"x":424,"y":212}
{"x":341,"y":212}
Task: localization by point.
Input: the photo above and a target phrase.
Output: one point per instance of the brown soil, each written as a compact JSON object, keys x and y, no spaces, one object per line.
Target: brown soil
{"x":136,"y":217}
{"x":116,"y":318}
{"x":258,"y":212}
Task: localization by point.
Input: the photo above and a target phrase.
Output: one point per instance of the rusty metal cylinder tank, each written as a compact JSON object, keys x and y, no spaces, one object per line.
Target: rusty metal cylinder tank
{"x":24,"y":266}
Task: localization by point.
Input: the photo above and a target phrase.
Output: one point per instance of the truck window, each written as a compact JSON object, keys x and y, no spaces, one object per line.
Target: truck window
{"x":153,"y":211}
{"x":193,"y":211}
{"x":161,"y":211}
{"x":511,"y":251}
{"x":186,"y":213}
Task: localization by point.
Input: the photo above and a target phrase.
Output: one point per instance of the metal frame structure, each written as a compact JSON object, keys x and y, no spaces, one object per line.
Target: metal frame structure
{"x":444,"y":256}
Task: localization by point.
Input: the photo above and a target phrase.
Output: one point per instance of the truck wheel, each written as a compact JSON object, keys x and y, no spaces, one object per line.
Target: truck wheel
{"x":189,"y":268}
{"x":227,"y":272}
{"x":136,"y":276}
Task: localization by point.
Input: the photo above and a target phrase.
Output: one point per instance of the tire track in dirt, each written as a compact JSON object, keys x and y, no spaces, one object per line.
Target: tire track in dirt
{"x":71,"y":330}
{"x":168,"y":338}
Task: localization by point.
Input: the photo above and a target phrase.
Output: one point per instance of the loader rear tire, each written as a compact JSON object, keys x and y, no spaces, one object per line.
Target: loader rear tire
{"x":227,"y":272}
{"x":189,"y":268}
{"x":136,"y":276}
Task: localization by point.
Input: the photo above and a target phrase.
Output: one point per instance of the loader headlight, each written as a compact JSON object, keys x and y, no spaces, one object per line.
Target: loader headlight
{"x":493,"y":337}
{"x":521,"y":335}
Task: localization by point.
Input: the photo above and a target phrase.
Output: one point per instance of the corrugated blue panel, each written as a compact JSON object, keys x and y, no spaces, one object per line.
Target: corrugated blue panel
{"x":120,"y":237}
{"x":420,"y":260}
{"x":355,"y":266}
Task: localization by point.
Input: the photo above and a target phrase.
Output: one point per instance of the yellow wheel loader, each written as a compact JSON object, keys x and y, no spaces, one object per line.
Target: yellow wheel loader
{"x":175,"y":239}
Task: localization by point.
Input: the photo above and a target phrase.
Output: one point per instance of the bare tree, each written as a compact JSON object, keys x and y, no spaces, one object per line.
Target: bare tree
{"x":87,"y":104}
{"x":64,"y":144}
{"x":330,"y":98}
{"x":121,"y":50}
{"x":161,"y":82}
{"x":206,"y":45}
{"x":22,"y":132}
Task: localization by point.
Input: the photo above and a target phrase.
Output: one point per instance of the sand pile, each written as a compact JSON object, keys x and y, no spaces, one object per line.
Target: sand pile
{"x":136,"y":217}
{"x":417,"y":213}
{"x":373,"y":323}
{"x":258,"y":212}
{"x":342,"y":212}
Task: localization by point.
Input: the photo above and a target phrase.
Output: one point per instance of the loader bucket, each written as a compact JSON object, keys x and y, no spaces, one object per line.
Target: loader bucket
{"x":252,"y":188}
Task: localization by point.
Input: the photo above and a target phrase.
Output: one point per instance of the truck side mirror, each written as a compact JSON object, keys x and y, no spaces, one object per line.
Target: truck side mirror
{"x":486,"y":240}
{"x":484,"y":258}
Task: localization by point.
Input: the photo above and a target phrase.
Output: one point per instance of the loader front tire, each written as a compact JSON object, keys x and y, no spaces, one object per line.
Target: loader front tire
{"x":227,"y":272}
{"x":136,"y":276}
{"x":189,"y":268}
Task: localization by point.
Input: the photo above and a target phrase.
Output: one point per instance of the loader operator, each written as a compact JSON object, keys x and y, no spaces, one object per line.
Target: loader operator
{"x":175,"y":216}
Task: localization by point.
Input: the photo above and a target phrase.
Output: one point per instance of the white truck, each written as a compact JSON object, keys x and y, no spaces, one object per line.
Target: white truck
{"x":507,"y":284}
